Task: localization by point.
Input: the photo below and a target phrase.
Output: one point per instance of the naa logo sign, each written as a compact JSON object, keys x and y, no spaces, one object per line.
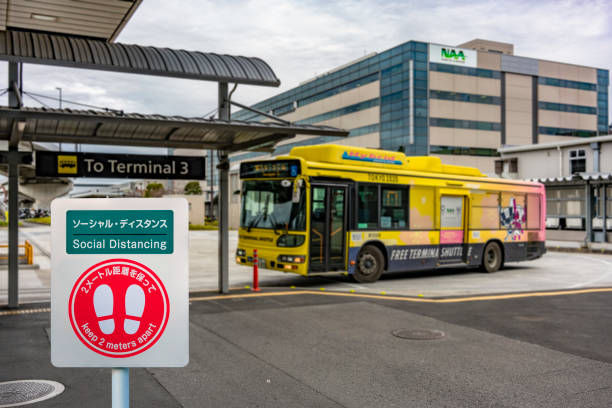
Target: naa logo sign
{"x":451,"y":55}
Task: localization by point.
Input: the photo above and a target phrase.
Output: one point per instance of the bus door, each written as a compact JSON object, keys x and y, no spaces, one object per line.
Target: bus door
{"x":453,"y":227}
{"x":328,"y":227}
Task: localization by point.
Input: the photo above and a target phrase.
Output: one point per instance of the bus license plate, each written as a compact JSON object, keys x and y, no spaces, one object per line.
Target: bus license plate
{"x":261,"y":263}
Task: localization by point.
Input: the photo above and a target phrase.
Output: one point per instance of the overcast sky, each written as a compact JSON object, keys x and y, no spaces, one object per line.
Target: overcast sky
{"x":300,"y":39}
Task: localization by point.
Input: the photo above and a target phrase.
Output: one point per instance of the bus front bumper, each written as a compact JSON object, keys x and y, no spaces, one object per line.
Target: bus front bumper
{"x":272,"y":260}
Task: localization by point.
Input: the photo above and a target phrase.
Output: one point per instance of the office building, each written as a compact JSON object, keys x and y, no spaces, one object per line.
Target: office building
{"x":460,"y":103}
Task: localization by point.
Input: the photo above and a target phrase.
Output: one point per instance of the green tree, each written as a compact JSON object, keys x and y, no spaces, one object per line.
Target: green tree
{"x":193,"y":188}
{"x":154,"y":190}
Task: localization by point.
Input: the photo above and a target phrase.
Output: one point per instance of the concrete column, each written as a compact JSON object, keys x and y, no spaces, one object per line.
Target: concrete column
{"x":596,"y":157}
{"x":604,"y":213}
{"x":588,"y":198}
{"x":503,"y":108}
{"x":534,"y":109}
{"x":224,"y":114}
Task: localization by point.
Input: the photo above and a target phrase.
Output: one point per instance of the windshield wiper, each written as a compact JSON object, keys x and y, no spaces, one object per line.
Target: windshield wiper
{"x":274,"y":223}
{"x":255,"y":221}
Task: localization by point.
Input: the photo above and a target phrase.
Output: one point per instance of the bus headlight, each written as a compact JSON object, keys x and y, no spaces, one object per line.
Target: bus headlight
{"x":240,"y":252}
{"x":291,"y":258}
{"x":290,"y":241}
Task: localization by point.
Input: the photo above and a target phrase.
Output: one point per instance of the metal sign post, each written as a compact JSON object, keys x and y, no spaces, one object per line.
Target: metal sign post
{"x":121,"y":387}
{"x":119,"y":285}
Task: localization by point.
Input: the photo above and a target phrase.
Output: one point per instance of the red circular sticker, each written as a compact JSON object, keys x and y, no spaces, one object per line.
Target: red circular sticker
{"x":118,"y":308}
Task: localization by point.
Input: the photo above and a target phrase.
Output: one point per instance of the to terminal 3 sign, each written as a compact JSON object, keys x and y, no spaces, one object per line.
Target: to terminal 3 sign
{"x":101,"y":165}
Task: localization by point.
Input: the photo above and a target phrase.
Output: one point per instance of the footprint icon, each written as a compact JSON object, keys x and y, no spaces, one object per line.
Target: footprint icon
{"x":134,"y":306}
{"x":103,"y":306}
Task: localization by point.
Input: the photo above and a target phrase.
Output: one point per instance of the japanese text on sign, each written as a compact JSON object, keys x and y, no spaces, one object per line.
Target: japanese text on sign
{"x":119,"y":232}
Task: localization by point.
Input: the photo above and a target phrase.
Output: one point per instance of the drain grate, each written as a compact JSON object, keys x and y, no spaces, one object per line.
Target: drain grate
{"x":24,"y":392}
{"x":418,"y":334}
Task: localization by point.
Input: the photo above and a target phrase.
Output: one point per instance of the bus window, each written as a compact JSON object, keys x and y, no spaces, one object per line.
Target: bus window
{"x":269,"y":204}
{"x":484,"y":214}
{"x":394,"y":208}
{"x":512,"y":211}
{"x":451,"y":212}
{"x":533,"y":211}
{"x":421,"y":208}
{"x":367,"y":216}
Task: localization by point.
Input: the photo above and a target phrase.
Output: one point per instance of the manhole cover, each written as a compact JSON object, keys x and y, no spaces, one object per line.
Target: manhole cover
{"x":418,"y":334}
{"x":24,"y":392}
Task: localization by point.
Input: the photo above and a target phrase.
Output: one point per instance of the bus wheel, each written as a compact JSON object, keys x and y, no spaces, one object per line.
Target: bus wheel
{"x":370,"y":265}
{"x":492,"y":258}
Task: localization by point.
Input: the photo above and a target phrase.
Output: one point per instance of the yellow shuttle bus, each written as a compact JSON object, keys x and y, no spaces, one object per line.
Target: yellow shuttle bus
{"x":363,"y":211}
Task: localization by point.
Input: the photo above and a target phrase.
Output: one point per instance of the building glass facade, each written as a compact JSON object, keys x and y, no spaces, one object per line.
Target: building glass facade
{"x":603,"y":83}
{"x":399,"y":127}
{"x":407,"y":99}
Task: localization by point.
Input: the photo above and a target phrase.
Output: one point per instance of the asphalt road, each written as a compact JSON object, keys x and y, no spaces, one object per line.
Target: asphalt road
{"x":327,"y":341}
{"x":282,"y":349}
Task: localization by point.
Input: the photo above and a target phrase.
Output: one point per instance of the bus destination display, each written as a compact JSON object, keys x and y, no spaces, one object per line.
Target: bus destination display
{"x":280,"y":168}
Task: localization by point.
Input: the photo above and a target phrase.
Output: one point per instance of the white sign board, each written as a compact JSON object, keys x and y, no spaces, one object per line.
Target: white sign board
{"x":119,"y":282}
{"x":445,"y":54}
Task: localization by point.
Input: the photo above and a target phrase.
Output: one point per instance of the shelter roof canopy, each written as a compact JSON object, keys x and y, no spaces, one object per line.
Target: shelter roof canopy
{"x":78,"y":52}
{"x":117,"y":128}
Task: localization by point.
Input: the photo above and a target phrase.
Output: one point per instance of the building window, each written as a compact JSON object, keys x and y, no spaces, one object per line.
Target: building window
{"x":577,"y":161}
{"x":544,"y":130}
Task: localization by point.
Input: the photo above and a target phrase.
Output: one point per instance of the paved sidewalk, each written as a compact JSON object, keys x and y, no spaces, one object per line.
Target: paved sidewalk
{"x":565,"y":266}
{"x":580,"y":246}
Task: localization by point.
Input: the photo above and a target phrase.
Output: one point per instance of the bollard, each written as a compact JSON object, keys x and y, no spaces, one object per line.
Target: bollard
{"x":255,"y":272}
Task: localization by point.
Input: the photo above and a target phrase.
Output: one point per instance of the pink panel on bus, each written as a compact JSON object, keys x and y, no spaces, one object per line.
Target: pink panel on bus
{"x":451,"y":237}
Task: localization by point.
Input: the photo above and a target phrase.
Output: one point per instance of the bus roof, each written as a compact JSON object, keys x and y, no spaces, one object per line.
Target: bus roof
{"x":381,"y":159}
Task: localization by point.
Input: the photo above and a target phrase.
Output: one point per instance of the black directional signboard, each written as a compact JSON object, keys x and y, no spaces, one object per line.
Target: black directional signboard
{"x":102,"y":165}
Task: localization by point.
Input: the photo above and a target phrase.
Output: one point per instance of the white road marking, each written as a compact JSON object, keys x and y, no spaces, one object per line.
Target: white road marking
{"x":590,"y":282}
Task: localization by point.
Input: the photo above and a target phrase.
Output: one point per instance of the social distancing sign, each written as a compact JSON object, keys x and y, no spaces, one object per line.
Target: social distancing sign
{"x":119,"y":283}
{"x":118,"y":308}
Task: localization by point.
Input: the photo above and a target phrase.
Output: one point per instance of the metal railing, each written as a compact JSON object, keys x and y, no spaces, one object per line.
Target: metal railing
{"x":26,"y":258}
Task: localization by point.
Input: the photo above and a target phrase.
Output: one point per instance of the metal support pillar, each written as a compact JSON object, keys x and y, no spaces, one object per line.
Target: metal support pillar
{"x":211,"y":155}
{"x":14,"y":85}
{"x":14,"y":96}
{"x":604,"y":212}
{"x":588,"y":198}
{"x":13,"y":231}
{"x":224,"y":114}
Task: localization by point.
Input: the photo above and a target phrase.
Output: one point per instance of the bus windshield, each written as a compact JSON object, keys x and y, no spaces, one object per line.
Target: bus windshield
{"x":268,"y":204}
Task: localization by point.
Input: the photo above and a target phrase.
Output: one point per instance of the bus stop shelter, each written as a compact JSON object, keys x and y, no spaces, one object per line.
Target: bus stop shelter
{"x":22,"y":124}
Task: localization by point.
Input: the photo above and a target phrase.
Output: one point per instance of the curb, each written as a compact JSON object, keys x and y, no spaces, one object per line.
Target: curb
{"x":582,"y":250}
